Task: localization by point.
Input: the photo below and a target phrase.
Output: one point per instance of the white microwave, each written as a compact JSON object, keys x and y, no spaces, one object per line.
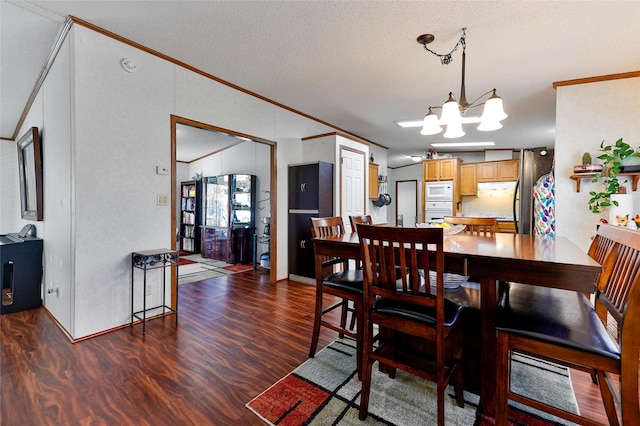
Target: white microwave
{"x":439,"y":191}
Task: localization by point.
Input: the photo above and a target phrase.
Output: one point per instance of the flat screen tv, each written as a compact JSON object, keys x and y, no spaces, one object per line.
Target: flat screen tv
{"x":30,"y":171}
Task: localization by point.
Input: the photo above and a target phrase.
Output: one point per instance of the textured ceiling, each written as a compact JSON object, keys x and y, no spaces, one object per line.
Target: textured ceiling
{"x":356,"y":64}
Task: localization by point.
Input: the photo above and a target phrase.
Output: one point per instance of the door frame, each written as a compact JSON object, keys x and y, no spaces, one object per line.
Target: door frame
{"x":273,"y":186}
{"x":364,"y":176}
{"x":398,"y":198}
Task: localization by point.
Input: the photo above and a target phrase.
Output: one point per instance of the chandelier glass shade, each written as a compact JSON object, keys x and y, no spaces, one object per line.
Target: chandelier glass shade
{"x":452,"y":110}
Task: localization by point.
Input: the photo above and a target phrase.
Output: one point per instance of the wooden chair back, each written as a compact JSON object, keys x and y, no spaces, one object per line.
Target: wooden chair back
{"x":401,"y":302}
{"x":326,"y":226}
{"x":357,"y":220}
{"x":475,"y":225}
{"x":616,"y":366}
{"x":382,"y":257}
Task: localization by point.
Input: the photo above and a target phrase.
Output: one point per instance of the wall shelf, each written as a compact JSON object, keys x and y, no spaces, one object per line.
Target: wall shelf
{"x":579,"y":176}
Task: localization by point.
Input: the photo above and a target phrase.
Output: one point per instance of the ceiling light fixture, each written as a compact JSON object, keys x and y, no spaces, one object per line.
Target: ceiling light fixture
{"x":461,"y":144}
{"x":453,"y":111}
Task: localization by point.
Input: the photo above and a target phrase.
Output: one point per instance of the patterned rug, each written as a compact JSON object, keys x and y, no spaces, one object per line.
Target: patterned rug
{"x":194,"y":268}
{"x":325,"y":390}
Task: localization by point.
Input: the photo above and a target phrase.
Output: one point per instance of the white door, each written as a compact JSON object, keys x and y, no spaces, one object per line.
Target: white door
{"x":352,"y":184}
{"x":406,"y":203}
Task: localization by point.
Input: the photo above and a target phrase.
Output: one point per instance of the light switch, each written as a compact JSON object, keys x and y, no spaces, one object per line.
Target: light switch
{"x":163,"y":199}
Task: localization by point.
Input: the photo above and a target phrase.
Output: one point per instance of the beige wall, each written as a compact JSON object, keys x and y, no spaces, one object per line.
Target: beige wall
{"x":587,"y":114}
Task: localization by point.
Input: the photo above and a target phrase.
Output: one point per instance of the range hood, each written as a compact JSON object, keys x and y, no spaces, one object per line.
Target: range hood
{"x":486,"y":186}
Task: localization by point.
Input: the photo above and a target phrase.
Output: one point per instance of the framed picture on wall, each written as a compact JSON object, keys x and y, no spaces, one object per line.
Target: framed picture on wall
{"x":30,"y":171}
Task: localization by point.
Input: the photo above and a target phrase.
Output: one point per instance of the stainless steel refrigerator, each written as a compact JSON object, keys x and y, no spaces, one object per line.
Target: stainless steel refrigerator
{"x":534,"y":163}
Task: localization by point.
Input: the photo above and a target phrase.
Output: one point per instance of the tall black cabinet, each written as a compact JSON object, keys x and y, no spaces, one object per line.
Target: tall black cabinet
{"x":310,"y":195}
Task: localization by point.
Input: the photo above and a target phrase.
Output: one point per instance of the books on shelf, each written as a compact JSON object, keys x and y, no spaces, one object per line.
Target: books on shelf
{"x":189,"y":231}
{"x":188,"y":244}
{"x":188,"y":218}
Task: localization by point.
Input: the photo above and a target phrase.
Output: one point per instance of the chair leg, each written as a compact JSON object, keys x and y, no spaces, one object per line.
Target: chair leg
{"x":458,"y":384}
{"x":607,"y":399}
{"x":367,"y":367}
{"x":502,"y":379}
{"x":317,"y":318}
{"x":343,"y":316}
{"x":441,"y":394}
{"x":352,"y":325}
{"x":359,"y":313}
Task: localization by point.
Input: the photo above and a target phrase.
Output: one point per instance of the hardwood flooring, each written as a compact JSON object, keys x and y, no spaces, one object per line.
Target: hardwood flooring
{"x":235,"y":337}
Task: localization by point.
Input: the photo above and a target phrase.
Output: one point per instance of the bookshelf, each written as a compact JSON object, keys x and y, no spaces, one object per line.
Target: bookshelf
{"x":190,"y":216}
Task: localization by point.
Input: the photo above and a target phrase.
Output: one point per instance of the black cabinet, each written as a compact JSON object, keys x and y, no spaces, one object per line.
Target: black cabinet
{"x":229,"y":217}
{"x":21,"y":275}
{"x":310,"y":195}
{"x":191,"y":215}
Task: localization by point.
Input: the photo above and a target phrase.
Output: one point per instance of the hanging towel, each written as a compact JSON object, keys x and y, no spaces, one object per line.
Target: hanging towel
{"x":544,"y":202}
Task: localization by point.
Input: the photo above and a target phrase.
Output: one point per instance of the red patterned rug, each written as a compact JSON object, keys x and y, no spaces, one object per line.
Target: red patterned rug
{"x":239,"y":268}
{"x":183,"y":261}
{"x":325,"y":390}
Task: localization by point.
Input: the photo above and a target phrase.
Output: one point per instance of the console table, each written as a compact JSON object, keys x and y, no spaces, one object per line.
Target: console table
{"x":152,"y":259}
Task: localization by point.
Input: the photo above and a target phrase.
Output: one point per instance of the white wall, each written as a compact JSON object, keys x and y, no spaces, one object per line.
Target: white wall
{"x":107,"y":131}
{"x":411,"y":172}
{"x":587,"y":114}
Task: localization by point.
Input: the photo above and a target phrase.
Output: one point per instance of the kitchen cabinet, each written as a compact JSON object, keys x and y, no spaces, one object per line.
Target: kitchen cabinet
{"x":468,"y":182}
{"x":498,"y":171}
{"x":373,"y":181}
{"x":440,"y":169}
{"x":487,"y":171}
{"x":310,"y":195}
{"x":508,"y":170}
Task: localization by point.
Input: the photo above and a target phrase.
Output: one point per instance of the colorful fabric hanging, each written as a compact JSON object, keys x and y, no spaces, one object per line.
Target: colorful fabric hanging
{"x":544,"y":201}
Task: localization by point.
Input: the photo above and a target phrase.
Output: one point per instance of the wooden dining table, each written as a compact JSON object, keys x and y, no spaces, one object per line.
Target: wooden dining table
{"x":535,"y":260}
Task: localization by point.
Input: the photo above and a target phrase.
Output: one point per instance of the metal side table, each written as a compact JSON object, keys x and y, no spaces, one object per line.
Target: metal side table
{"x":153,"y":259}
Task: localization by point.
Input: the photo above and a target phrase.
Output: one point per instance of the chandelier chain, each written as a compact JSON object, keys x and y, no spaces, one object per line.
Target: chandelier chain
{"x":446,"y":58}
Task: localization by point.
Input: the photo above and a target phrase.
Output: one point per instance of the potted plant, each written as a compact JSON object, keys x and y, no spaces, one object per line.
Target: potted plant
{"x":612,"y":156}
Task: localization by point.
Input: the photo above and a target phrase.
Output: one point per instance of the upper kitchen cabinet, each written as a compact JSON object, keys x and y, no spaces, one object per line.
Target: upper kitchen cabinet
{"x":498,"y":171}
{"x":508,"y":170}
{"x":440,"y":169}
{"x":468,"y":182}
{"x":373,"y":181}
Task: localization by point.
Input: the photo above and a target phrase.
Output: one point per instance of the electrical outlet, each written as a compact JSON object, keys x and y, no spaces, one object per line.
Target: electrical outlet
{"x":162,"y":170}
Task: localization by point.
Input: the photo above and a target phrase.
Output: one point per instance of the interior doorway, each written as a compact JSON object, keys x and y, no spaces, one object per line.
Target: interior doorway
{"x":352,"y":183}
{"x":406,"y":203}
{"x":219,"y":140}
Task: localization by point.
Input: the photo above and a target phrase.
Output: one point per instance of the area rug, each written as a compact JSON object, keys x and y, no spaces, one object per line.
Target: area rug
{"x":182,"y":261}
{"x":325,"y":390}
{"x":198,"y":268}
{"x":238,"y":268}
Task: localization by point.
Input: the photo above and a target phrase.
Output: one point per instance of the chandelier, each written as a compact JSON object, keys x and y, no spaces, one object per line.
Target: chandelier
{"x":452,"y":111}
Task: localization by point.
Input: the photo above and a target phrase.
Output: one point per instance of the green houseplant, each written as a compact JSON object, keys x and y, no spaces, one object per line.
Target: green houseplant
{"x":612,"y":156}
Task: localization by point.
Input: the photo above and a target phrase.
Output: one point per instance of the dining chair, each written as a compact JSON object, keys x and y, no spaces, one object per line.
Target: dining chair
{"x":335,"y":278}
{"x":413,"y":305}
{"x":357,"y":220}
{"x":475,"y":225}
{"x":562,"y":326}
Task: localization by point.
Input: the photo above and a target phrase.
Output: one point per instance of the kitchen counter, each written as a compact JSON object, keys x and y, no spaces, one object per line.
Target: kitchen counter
{"x":502,"y":217}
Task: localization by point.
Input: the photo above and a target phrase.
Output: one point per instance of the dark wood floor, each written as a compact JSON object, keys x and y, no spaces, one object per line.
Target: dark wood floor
{"x":236,"y":336}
